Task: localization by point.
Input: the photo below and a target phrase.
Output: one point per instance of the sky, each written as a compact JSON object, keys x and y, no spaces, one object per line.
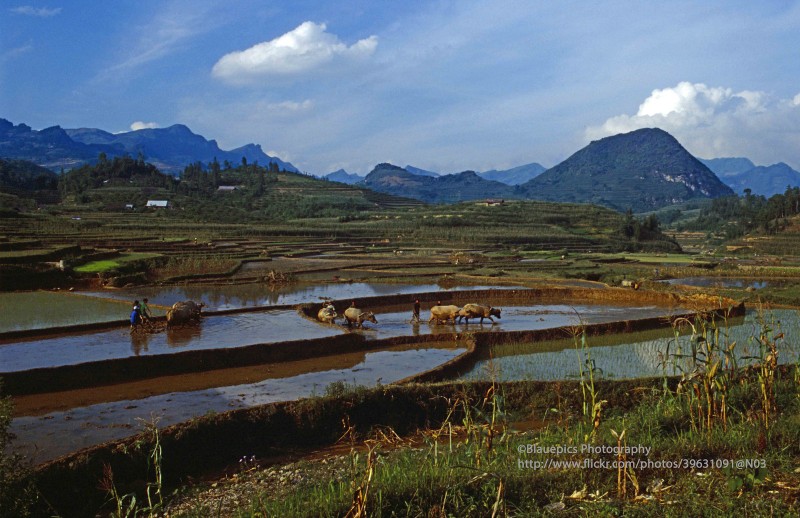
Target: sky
{"x":446,"y":86}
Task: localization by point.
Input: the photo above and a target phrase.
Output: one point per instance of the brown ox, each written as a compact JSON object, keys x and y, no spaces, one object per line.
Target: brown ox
{"x":327,"y":314}
{"x":478,"y":311}
{"x":184,"y":312}
{"x":442,"y":314}
{"x":358,"y":317}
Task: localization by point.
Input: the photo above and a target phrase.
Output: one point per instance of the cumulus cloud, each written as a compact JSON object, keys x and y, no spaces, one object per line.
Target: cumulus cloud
{"x":41,"y":12}
{"x":139,"y":125}
{"x":716,"y":121}
{"x":305,"y":48}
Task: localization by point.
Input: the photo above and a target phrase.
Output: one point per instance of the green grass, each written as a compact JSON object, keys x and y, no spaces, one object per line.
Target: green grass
{"x":106,"y":265}
{"x":479,"y":469}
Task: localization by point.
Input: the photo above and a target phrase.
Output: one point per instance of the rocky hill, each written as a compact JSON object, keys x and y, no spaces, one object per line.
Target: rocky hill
{"x":642,"y":170}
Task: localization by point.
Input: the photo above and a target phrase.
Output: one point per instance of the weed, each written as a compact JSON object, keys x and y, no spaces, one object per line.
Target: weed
{"x":126,"y":505}
{"x":18,"y":494}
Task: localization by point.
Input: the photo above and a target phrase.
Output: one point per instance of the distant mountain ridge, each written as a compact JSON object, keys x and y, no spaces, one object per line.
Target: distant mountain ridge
{"x":421,"y":172}
{"x":451,"y":188}
{"x":516,"y":175}
{"x":741,"y":174}
{"x":170,"y":149}
{"x":343,"y":176}
{"x":732,"y":166}
{"x":642,"y":170}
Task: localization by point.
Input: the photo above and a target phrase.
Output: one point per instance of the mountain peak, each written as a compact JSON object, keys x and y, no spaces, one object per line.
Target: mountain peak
{"x":643,"y":170}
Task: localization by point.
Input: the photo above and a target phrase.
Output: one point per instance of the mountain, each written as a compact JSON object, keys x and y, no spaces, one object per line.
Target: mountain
{"x":170,"y":149}
{"x":51,"y":147}
{"x":343,"y":176}
{"x":765,"y":180}
{"x":173,"y":148}
{"x":25,"y":175}
{"x":516,"y":175}
{"x":642,"y":170}
{"x":451,"y":188}
{"x":723,"y":167}
{"x":420,"y":172}
{"x":741,"y":174}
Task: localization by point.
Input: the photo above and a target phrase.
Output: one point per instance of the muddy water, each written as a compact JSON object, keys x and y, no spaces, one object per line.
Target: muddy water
{"x":513,"y":318}
{"x":237,"y":296}
{"x":41,"y":309}
{"x":48,"y":436}
{"x":725,"y":282}
{"x":227,"y":331}
{"x":628,"y":360}
{"x":212,"y":333}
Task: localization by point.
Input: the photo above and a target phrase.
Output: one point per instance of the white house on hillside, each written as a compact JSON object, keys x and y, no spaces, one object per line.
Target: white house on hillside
{"x":157,"y":203}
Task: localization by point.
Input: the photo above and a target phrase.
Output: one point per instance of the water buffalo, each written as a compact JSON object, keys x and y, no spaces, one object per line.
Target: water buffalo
{"x":184,"y":312}
{"x":355,"y":315}
{"x":327,"y":314}
{"x":478,"y":311}
{"x":441,"y":314}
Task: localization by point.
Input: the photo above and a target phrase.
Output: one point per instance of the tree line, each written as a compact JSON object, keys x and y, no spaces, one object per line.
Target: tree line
{"x":735,"y":216}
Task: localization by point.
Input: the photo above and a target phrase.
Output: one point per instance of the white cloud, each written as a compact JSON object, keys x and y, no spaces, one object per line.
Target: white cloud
{"x":716,"y":122}
{"x":139,"y":125}
{"x":41,"y":12}
{"x":18,"y":51}
{"x":291,"y":106}
{"x":305,"y":48}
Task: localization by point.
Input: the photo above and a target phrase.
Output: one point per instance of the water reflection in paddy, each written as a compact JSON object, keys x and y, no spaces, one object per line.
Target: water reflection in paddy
{"x":41,"y":309}
{"x":725,"y":282}
{"x":48,"y":436}
{"x":212,"y":333}
{"x":559,"y":360}
{"x":234,"y":296}
{"x":280,"y":325}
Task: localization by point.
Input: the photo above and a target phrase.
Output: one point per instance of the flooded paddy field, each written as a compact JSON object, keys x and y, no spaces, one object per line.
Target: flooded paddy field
{"x":235,"y":296}
{"x":625,"y":356}
{"x":47,"y":436}
{"x":46,"y":309}
{"x":62,"y":420}
{"x":726,"y":282}
{"x":237,"y":330}
{"x":212,"y":333}
{"x":42,"y":309}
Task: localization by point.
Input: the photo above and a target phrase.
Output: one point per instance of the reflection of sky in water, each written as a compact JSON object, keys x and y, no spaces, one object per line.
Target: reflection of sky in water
{"x":212,"y":333}
{"x":634,"y":360}
{"x":46,"y":437}
{"x":243,"y":295}
{"x":41,"y":309}
{"x":237,"y":330}
{"x":724,"y":282}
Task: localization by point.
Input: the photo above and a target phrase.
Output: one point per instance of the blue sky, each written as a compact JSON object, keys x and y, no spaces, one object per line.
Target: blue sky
{"x":442,"y":85}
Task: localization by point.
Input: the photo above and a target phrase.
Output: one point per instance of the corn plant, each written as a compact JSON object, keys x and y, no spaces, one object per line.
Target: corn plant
{"x":766,"y":358}
{"x":707,"y":378}
{"x":592,"y":405}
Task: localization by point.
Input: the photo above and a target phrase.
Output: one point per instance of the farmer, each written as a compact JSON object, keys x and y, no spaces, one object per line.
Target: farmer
{"x":144,"y":311}
{"x":136,"y":316}
{"x":415,"y":316}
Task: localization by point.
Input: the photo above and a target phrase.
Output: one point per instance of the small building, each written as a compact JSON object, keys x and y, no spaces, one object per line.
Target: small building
{"x":227,"y":188}
{"x":157,"y":203}
{"x":129,"y":206}
{"x":490,"y":202}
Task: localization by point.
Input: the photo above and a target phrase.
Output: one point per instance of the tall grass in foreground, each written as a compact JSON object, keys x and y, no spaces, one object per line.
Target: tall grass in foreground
{"x":475,"y":464}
